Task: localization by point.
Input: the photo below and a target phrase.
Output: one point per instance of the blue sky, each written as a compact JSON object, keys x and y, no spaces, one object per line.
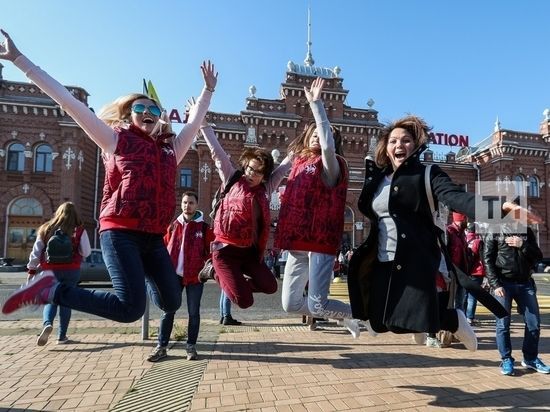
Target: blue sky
{"x":458,"y":64}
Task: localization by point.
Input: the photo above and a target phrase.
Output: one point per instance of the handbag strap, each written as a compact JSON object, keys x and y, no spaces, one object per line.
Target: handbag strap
{"x":429,"y":194}
{"x":428,"y":185}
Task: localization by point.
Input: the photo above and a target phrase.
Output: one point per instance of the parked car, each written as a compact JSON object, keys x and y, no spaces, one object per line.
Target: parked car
{"x":542,"y":266}
{"x":93,"y":268}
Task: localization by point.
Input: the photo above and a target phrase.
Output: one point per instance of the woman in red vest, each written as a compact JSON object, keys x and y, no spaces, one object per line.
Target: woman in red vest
{"x":311,"y":219}
{"x":140,"y":154}
{"x":241,"y":223}
{"x":66,"y":219}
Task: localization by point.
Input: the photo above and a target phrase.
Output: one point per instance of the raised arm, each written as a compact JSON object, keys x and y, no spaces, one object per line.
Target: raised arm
{"x":278,"y":174}
{"x":98,"y":131}
{"x":331,"y":167}
{"x":197,"y":111}
{"x":220,"y":157}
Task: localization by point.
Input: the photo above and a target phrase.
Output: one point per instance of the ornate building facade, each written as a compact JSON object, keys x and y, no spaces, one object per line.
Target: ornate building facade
{"x":47,"y":159}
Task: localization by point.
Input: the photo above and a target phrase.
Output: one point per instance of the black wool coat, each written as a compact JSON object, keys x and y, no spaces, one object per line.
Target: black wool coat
{"x":411,"y":298}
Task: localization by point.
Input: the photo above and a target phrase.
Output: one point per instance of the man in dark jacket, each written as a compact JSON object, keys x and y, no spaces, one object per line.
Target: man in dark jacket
{"x":509,"y":259}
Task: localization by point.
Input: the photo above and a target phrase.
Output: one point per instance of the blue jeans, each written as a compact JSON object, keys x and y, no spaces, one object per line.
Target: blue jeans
{"x":68,"y":277}
{"x":525,"y":296}
{"x":225,"y":305}
{"x":471,"y":301}
{"x":194,"y":295}
{"x":315,"y":271}
{"x":131,"y":257}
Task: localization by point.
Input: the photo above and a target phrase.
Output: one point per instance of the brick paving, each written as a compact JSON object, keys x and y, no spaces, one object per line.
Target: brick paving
{"x":276,"y":365}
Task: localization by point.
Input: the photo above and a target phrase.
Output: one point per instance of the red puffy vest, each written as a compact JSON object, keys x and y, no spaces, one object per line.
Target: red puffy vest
{"x":235,"y":222}
{"x":312,"y":214}
{"x":139,"y":189}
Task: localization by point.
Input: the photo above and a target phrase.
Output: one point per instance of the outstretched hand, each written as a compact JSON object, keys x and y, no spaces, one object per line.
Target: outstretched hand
{"x":8,"y":51}
{"x":209,"y":74}
{"x":518,"y":211}
{"x":314,"y":92}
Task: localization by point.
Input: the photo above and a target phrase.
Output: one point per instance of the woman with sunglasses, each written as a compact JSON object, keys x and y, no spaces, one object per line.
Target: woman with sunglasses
{"x":311,"y":219}
{"x":140,"y":154}
{"x":242,"y":221}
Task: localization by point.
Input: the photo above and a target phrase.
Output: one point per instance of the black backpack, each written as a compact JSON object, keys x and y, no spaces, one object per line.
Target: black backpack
{"x":59,"y":248}
{"x":222,"y":191}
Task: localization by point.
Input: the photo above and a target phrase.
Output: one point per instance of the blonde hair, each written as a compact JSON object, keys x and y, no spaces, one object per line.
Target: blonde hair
{"x":300,"y":145}
{"x":417,"y":128}
{"x":66,"y":218}
{"x":118,"y":114}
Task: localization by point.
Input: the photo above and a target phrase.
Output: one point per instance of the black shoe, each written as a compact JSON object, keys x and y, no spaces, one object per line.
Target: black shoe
{"x":207,"y":272}
{"x":228,"y":320}
{"x":221,"y":320}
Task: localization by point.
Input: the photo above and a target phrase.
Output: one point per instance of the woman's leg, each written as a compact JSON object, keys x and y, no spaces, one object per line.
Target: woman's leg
{"x":295,"y":279}
{"x":320,"y":270}
{"x":122,"y":254}
{"x":163,"y":282}
{"x":259,"y":275}
{"x":71,"y":278}
{"x":228,"y":267}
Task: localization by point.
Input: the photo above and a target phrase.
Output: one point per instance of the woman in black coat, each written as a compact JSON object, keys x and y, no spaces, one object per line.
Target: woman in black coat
{"x":392,"y":274}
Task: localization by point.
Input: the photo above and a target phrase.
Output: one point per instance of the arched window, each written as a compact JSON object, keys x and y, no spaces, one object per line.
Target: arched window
{"x":26,"y":206}
{"x":16,"y":158}
{"x":533,"y":187}
{"x":43,"y":158}
{"x":519,"y":185}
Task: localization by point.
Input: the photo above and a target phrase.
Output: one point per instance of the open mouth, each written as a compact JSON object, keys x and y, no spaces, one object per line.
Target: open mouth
{"x":148,"y":120}
{"x":400,"y":156}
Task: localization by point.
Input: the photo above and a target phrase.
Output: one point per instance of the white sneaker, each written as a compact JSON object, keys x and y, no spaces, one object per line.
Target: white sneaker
{"x":433,"y":343}
{"x":44,"y":335}
{"x":353,"y":326}
{"x":419,"y":338}
{"x":465,"y":333}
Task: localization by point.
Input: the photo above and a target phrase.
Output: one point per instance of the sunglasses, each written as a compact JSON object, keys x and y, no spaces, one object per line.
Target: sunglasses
{"x":140,"y":108}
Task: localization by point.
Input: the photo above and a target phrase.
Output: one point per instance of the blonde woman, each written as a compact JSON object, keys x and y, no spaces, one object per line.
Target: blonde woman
{"x":140,"y":154}
{"x":66,"y":219}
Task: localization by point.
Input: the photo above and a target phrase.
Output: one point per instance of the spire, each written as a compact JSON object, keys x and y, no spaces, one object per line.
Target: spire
{"x":309,"y":58}
{"x":497,"y":125}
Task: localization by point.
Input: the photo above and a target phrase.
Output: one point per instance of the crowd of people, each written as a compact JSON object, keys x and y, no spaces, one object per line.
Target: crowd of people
{"x":406,"y":277}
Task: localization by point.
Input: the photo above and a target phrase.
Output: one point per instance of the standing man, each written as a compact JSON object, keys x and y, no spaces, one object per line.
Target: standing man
{"x":188,"y":242}
{"x":458,"y":251}
{"x":509,"y":261}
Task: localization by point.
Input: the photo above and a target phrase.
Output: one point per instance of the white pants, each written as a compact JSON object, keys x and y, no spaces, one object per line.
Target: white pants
{"x":315,"y":268}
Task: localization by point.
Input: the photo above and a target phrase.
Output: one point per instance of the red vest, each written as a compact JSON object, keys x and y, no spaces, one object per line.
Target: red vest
{"x":312,"y":214}
{"x":196,"y":238}
{"x":236,"y":222}
{"x":139,"y":189}
{"x":77,"y":257}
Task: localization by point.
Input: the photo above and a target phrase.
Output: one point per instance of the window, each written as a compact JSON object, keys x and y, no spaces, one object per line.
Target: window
{"x":43,"y":159}
{"x":16,"y":158}
{"x":519,"y":185}
{"x":26,"y":206}
{"x":533,"y":187}
{"x":185,"y":178}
